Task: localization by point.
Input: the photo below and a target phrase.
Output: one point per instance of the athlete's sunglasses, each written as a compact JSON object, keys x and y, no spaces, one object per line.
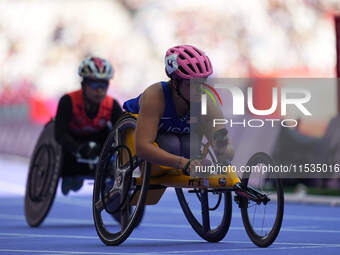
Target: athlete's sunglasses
{"x":98,"y":84}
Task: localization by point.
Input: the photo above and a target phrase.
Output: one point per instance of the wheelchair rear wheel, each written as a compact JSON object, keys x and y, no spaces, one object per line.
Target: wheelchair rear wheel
{"x":43,"y":177}
{"x":116,"y":184}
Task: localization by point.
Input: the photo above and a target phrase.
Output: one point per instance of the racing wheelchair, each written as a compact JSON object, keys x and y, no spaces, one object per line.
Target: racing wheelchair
{"x":45,"y":170}
{"x":206,"y":202}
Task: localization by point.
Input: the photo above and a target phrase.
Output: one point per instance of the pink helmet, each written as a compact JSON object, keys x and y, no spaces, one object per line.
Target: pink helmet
{"x":187,"y":62}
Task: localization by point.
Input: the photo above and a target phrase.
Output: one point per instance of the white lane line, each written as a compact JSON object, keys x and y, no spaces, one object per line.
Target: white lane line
{"x":169,"y":210}
{"x":228,"y":242}
{"x":11,"y":188}
{"x":171,"y":252}
{"x":48,"y":236}
{"x":88,"y":204}
{"x":76,"y":201}
{"x":289,"y":229}
{"x":245,"y":249}
{"x":305,"y":227}
{"x":157,"y":239}
{"x":50,"y":219}
{"x":71,"y":252}
{"x":161,"y":225}
{"x":238,"y":215}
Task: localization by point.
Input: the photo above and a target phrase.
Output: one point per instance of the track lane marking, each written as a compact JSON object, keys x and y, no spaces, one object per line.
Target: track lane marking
{"x":171,"y":252}
{"x":155,"y":239}
{"x":87,"y":203}
{"x":177,"y":226}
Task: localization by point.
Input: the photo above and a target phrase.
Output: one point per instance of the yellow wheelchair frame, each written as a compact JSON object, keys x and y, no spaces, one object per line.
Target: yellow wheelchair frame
{"x":153,"y":180}
{"x":171,"y":177}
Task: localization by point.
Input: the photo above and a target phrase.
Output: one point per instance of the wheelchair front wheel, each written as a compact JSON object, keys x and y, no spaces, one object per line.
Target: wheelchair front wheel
{"x":262,"y":220}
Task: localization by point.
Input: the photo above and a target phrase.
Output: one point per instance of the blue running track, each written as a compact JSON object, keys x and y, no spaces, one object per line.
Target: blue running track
{"x":69,"y":228}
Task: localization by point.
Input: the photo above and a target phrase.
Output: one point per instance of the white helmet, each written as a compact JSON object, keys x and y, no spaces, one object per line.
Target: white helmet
{"x":95,"y":68}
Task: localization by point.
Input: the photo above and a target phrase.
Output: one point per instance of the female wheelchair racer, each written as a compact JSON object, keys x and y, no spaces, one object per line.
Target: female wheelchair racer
{"x":69,"y":146}
{"x":151,"y":148}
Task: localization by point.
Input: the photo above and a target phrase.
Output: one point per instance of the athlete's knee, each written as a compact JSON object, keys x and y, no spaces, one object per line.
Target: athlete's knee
{"x":170,"y":143}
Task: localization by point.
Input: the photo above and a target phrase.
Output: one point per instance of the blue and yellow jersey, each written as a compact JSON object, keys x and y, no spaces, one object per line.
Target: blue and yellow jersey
{"x":169,"y":122}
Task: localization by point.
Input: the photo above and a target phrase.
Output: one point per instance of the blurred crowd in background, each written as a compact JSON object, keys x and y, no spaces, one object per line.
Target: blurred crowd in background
{"x":43,"y":42}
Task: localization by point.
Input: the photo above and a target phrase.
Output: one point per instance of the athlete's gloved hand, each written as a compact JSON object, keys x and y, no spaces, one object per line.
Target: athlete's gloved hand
{"x":194,"y":163}
{"x":89,"y":150}
{"x":220,"y":141}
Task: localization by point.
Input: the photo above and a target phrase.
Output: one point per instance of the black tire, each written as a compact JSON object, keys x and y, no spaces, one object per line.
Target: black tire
{"x":204,"y":229}
{"x":43,"y":177}
{"x":129,"y":220}
{"x":272,"y":188}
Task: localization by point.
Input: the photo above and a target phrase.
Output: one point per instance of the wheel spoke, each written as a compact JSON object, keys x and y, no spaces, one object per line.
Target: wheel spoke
{"x":99,"y":205}
{"x":254,"y":213}
{"x":264,"y":216}
{"x":124,"y":168}
{"x":115,"y":141}
{"x":205,"y":210}
{"x":124,"y":215}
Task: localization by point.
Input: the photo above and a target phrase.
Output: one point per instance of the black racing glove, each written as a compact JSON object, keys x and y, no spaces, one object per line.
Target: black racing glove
{"x":220,"y":138}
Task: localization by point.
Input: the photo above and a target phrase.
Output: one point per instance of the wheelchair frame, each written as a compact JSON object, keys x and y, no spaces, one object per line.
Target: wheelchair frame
{"x":148,"y":188}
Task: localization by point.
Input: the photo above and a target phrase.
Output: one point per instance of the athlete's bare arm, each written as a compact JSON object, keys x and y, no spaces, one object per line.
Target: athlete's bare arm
{"x":152,"y":105}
